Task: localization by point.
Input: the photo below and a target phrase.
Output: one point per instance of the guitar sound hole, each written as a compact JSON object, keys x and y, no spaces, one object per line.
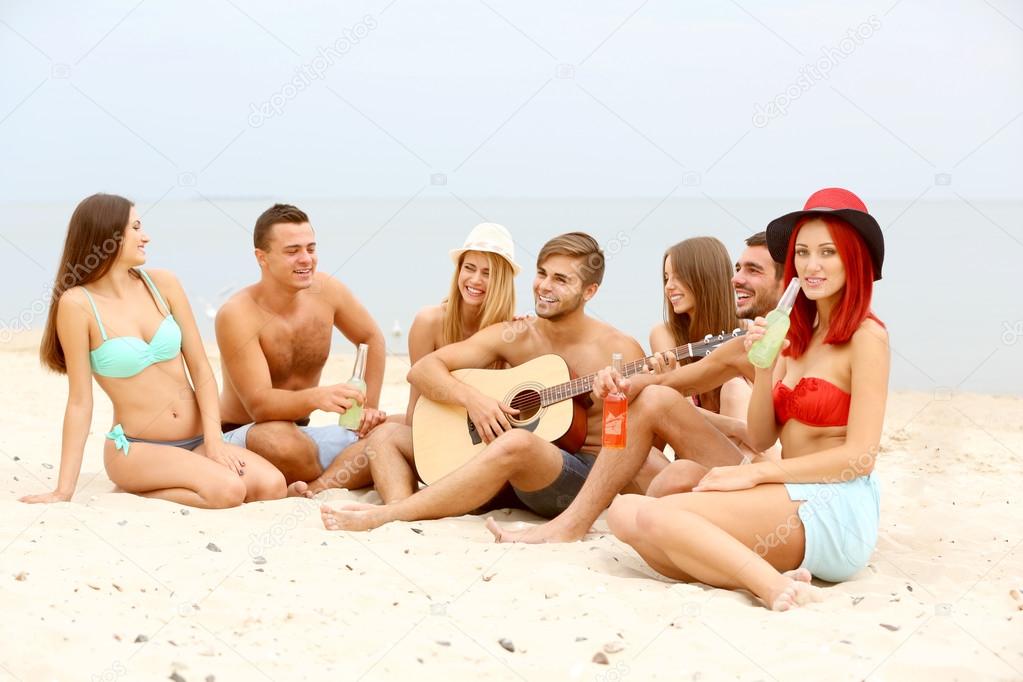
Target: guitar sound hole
{"x":528,"y":403}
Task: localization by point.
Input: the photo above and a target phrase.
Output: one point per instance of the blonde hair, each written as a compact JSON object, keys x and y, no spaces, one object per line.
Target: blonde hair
{"x":498,"y":306}
{"x":703,"y":265}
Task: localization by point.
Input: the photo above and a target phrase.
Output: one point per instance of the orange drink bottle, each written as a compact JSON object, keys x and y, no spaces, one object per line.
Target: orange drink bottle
{"x":616,"y":410}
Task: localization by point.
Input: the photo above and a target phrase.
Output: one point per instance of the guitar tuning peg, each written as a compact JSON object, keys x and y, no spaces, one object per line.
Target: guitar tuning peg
{"x":708,"y":337}
{"x":736,"y":332}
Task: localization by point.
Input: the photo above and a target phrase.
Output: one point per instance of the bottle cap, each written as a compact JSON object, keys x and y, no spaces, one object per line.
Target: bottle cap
{"x":788,"y":299}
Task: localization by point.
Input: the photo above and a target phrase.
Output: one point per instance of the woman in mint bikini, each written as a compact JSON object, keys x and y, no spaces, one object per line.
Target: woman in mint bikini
{"x":165,"y":441}
{"x":768,"y":526}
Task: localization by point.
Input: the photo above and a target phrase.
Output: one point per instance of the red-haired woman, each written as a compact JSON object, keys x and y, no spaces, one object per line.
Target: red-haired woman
{"x":166,"y":440}
{"x":768,"y":526}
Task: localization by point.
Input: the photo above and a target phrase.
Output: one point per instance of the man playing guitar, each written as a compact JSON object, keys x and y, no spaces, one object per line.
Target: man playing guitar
{"x":544,"y":477}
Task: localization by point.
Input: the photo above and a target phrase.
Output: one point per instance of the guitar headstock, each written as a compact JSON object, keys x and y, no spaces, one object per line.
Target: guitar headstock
{"x":710,"y":342}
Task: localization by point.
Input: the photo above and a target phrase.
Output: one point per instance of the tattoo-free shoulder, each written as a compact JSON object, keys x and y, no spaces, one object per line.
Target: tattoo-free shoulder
{"x":660,"y":336}
{"x":431,"y":316}
{"x":870,"y":331}
{"x":159,"y":275}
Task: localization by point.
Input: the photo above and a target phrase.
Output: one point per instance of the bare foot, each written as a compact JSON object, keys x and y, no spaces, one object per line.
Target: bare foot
{"x":353,"y":516}
{"x":299,"y":489}
{"x":800,"y":574}
{"x":545,"y":532}
{"x":796,"y":593}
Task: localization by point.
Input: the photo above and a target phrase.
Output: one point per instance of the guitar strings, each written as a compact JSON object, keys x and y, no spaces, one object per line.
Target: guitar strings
{"x":533,"y":399}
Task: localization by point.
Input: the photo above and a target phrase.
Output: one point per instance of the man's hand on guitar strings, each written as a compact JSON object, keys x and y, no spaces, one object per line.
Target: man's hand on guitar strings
{"x":490,"y":416}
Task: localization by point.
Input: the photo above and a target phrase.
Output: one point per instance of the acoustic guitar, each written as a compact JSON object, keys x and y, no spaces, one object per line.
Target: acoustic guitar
{"x":549,"y":400}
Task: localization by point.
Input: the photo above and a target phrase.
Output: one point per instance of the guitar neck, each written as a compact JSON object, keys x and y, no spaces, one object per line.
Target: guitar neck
{"x":583,"y":385}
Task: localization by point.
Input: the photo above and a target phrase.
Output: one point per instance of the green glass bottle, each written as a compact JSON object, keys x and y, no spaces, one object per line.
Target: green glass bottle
{"x":765,"y":349}
{"x":352,"y":417}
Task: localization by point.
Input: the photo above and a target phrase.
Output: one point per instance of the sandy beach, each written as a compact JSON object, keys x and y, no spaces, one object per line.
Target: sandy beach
{"x":113,"y":586}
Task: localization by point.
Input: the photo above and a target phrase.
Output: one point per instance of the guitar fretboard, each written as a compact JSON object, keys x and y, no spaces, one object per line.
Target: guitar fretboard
{"x":570,"y":389}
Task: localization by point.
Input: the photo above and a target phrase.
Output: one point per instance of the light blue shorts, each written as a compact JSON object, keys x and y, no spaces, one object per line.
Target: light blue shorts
{"x":841,"y":521}
{"x":330,"y":440}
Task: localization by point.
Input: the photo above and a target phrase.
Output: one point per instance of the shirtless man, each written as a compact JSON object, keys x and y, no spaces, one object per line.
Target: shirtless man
{"x":545,"y":478}
{"x":274,"y":339}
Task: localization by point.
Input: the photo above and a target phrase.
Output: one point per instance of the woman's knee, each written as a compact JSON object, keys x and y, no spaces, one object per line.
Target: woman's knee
{"x":268,"y":485}
{"x":226,"y":491}
{"x":656,"y":520}
{"x":621,"y":516}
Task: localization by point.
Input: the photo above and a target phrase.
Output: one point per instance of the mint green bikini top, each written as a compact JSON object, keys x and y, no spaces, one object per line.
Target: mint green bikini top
{"x":126,"y":356}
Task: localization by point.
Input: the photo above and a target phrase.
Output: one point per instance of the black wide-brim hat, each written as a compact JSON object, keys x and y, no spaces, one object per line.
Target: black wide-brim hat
{"x":837,"y":202}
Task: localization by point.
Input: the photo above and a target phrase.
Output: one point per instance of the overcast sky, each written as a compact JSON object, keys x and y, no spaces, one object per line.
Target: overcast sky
{"x":501,"y":98}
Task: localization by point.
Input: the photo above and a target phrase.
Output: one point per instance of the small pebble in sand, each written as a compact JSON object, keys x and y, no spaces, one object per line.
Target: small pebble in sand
{"x":886,"y":626}
{"x":141,"y":638}
{"x":507,"y":644}
{"x":259,"y":560}
{"x":212,"y":547}
{"x":601,"y":658}
{"x":185,"y":512}
{"x":47,"y":465}
{"x":21,"y":576}
{"x":613,"y":647}
{"x":177,"y":678}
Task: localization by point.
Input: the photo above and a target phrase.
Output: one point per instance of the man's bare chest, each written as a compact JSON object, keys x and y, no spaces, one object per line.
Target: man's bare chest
{"x":296,"y":347}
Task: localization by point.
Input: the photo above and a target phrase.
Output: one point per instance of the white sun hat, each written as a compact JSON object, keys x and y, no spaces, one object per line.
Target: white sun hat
{"x":489,"y":238}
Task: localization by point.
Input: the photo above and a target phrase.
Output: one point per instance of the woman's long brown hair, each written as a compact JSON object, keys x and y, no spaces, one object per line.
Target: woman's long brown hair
{"x":94,"y":237}
{"x":703,"y":265}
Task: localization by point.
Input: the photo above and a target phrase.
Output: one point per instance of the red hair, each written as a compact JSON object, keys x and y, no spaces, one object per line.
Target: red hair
{"x":854,"y":303}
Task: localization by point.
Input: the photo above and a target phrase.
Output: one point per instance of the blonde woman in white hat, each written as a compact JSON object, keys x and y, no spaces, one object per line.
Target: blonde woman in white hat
{"x":482,"y":293}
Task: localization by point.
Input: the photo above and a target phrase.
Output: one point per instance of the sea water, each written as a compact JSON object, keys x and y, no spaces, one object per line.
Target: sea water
{"x":947,"y":297}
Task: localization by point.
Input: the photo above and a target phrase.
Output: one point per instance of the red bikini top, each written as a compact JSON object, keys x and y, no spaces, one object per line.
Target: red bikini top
{"x":813,"y":401}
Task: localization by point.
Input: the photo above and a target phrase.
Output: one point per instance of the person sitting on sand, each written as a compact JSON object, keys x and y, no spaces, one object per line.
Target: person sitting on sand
{"x":701,"y":297}
{"x":166,"y":440}
{"x":482,"y":293}
{"x":545,"y":478}
{"x":767,"y":527}
{"x":274,"y":339}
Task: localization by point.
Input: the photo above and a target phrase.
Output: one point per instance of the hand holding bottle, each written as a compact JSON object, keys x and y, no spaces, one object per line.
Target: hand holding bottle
{"x":755,"y":332}
{"x":607,"y":381}
{"x":766,"y":338}
{"x":616,"y":406}
{"x":352,"y":417}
